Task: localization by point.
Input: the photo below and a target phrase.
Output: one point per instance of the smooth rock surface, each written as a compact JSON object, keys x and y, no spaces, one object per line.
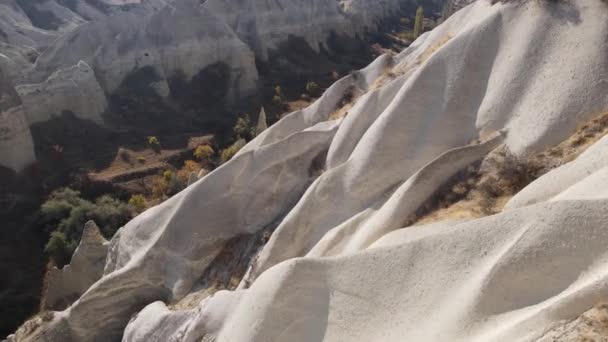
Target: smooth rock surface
{"x":342,"y":264}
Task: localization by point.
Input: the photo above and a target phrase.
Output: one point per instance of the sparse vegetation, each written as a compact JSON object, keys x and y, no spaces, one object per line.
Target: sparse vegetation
{"x":65,"y":212}
{"x":59,"y":248}
{"x":418,"y":24}
{"x":204,"y":153}
{"x":485,"y":188}
{"x":345,"y":104}
{"x":154,"y":143}
{"x":167,"y":185}
{"x":313,"y":89}
{"x":230,"y":151}
{"x":190,"y":166}
{"x":138,"y":202}
{"x":242,"y":129}
{"x":278,"y":100}
{"x":141,"y":159}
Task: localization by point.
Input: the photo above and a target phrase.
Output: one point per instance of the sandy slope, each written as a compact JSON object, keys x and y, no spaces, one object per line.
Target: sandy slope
{"x":340,"y":266}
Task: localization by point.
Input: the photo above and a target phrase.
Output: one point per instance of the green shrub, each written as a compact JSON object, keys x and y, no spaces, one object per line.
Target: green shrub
{"x":203,"y":152}
{"x":59,"y":248}
{"x":141,"y":159}
{"x":242,"y":129}
{"x":231,"y":151}
{"x":167,"y":185}
{"x":65,"y":213}
{"x":313,"y":89}
{"x":154,"y":143}
{"x":138,"y":202}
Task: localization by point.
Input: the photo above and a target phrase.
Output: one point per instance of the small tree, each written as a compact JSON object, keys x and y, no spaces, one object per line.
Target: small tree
{"x":154,"y":143}
{"x":59,"y":248}
{"x":138,"y":202}
{"x":231,"y":151}
{"x":312,"y":88}
{"x":242,"y":129}
{"x":203,"y":153}
{"x":418,"y":24}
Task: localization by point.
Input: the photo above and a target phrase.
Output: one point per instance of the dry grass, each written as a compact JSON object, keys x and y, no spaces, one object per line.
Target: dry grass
{"x":485,"y":188}
{"x":591,"y":326}
{"x":345,"y":104}
{"x":426,"y":54}
{"x":423,"y":57}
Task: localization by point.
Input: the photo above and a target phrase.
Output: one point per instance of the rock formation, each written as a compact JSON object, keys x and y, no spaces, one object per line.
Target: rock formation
{"x":74,"y":89}
{"x":73,"y":56}
{"x":16,"y":144}
{"x":343,"y":262}
{"x":66,"y":285}
{"x":262,"y":125}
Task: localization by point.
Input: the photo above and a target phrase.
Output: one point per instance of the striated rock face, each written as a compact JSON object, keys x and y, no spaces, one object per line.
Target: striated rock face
{"x":342,"y":263}
{"x":86,"y":267}
{"x":16,"y":144}
{"x":74,"y":89}
{"x":74,"y":55}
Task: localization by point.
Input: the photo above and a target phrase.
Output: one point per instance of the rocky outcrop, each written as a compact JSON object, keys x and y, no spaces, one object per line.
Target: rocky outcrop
{"x":79,"y":56}
{"x":262,"y":125}
{"x":74,"y":89}
{"x":64,"y":286}
{"x":341,"y":193}
{"x":16,"y":144}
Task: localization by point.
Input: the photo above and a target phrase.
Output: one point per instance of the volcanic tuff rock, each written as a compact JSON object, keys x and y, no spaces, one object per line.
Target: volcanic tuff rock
{"x":74,"y":89}
{"x":66,"y":285}
{"x":340,"y":191}
{"x":70,"y":55}
{"x":16,"y":145}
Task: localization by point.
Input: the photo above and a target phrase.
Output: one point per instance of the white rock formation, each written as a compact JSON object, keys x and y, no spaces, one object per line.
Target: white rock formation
{"x":262,"y":125}
{"x":85,"y":50}
{"x":74,"y":89}
{"x":66,"y":285}
{"x":16,"y":144}
{"x":341,"y":266}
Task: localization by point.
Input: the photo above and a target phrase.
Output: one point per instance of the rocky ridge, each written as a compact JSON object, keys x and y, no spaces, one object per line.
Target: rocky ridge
{"x":73,"y":55}
{"x":336,"y":195}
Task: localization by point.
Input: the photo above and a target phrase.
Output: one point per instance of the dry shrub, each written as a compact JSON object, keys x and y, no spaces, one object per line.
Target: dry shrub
{"x":484,"y":188}
{"x":345,"y":104}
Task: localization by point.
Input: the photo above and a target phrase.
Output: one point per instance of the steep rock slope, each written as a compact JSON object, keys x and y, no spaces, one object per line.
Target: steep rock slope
{"x":75,"y":55}
{"x":16,"y":146}
{"x":340,"y":265}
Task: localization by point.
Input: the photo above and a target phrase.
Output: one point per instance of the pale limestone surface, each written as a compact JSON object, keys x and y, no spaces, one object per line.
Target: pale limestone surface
{"x":84,"y":50}
{"x":341,"y":266}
